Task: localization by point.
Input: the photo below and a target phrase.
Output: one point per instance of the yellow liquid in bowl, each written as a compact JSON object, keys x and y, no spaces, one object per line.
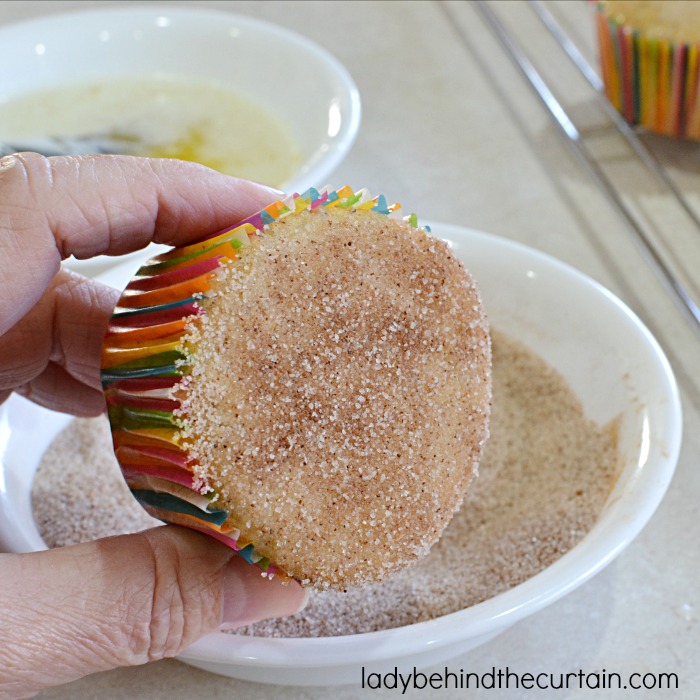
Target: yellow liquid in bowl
{"x":208,"y":123}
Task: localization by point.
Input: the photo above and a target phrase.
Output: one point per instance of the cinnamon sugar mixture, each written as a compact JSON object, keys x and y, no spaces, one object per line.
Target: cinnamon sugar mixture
{"x":352,"y":400}
{"x":545,"y":475}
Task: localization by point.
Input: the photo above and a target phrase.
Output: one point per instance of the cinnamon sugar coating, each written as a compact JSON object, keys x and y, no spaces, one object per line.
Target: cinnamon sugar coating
{"x":339,"y":393}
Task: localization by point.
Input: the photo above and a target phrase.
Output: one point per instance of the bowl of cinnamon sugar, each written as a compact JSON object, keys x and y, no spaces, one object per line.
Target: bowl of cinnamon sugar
{"x":584,"y":437}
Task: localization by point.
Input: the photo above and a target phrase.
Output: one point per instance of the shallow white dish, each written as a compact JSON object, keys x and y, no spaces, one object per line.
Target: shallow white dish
{"x":280,"y":70}
{"x":608,"y":357}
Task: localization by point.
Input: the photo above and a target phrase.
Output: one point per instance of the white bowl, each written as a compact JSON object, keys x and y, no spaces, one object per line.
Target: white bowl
{"x":607,"y":356}
{"x":273,"y":67}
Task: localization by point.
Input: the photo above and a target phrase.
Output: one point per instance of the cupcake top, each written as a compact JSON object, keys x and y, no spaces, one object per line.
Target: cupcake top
{"x":668,"y":20}
{"x":311,"y":387}
{"x":339,"y":393}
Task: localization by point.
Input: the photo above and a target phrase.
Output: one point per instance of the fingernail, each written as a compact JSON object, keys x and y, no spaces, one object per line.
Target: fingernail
{"x":250,"y":597}
{"x":258,"y":185}
{"x":272,"y":189}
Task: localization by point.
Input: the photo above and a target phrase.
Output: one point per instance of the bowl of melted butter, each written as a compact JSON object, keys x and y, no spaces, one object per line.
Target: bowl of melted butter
{"x":245,"y":97}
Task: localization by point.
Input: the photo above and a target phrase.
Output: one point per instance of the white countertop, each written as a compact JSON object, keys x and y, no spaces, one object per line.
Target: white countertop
{"x":453,"y":130}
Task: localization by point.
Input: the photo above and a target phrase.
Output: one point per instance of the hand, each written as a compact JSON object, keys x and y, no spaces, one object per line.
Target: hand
{"x":123,"y":600}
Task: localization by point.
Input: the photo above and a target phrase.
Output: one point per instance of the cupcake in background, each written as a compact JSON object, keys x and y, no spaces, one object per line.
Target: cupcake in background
{"x":650,"y":64}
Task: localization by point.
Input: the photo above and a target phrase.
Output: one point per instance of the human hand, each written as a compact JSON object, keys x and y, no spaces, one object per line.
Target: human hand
{"x":123,"y":600}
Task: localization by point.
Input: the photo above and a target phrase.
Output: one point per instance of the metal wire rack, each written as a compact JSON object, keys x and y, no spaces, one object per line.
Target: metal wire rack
{"x":681,"y":283}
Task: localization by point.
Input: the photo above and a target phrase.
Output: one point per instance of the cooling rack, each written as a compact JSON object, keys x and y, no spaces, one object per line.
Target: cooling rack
{"x":657,"y":238}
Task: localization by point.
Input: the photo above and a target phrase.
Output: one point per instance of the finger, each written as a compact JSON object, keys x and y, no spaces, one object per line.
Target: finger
{"x":51,"y":208}
{"x":54,"y":388}
{"x":123,"y":601}
{"x":53,"y":352}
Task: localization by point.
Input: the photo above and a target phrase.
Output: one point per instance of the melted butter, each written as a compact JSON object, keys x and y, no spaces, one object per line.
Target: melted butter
{"x":208,"y":123}
{"x":193,"y":146}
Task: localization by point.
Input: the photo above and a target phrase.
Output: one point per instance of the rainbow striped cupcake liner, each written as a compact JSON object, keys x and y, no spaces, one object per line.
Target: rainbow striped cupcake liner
{"x":651,"y":82}
{"x":145,"y":364}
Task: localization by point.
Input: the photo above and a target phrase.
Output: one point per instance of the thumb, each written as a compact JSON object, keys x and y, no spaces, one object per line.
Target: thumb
{"x":123,"y":601}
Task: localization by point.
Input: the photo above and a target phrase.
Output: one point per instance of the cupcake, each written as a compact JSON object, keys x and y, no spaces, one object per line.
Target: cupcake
{"x":649,"y":62}
{"x":311,"y":387}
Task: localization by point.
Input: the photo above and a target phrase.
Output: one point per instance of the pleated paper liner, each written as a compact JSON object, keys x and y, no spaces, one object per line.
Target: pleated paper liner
{"x":652,"y":82}
{"x":144,"y":365}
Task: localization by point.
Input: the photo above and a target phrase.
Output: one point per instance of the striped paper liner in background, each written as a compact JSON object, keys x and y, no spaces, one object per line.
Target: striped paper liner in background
{"x":651,"y":82}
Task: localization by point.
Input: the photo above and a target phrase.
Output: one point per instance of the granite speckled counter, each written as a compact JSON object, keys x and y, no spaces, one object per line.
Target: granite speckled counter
{"x":451,"y":125}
